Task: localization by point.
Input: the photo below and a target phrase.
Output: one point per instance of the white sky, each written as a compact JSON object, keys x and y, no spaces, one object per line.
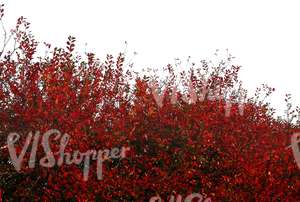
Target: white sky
{"x":262,"y":34}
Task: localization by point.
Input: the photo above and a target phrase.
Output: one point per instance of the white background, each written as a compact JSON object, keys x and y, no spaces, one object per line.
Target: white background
{"x":262,"y":34}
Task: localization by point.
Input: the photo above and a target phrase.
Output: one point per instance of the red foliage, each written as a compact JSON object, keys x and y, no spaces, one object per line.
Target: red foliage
{"x":179,"y":148}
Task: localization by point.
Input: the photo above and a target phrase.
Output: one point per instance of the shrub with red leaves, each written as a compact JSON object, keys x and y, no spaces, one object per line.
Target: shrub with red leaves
{"x":179,"y":143}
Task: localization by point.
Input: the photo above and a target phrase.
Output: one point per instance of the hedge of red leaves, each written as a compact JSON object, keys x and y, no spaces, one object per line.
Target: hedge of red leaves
{"x":179,"y":148}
